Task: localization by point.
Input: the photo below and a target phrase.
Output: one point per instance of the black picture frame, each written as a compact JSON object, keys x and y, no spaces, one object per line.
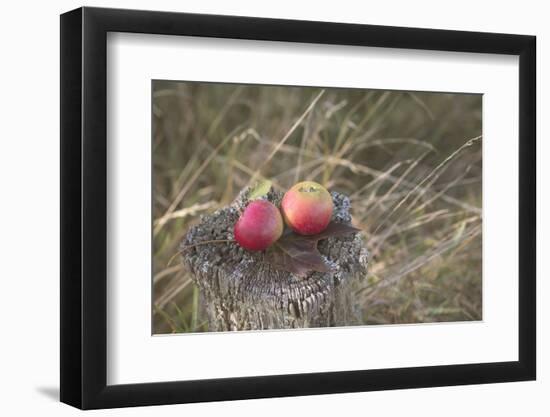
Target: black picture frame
{"x":84,"y":207}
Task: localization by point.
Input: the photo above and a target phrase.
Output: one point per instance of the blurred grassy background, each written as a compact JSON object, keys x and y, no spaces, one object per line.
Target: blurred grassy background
{"x":411,"y":162}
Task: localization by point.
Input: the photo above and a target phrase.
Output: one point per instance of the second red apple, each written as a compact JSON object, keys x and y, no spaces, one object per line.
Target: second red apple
{"x":307,"y":208}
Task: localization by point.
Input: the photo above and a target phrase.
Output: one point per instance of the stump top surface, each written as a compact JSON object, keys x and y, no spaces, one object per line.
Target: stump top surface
{"x":225,"y":267}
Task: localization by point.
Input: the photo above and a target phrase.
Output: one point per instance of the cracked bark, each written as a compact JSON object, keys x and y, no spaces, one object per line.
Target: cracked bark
{"x":242,"y":292}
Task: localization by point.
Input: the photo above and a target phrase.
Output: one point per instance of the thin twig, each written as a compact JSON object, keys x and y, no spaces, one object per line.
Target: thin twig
{"x":206,"y":242}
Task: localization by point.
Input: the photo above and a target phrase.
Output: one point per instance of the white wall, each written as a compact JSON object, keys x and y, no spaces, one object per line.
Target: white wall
{"x":29,"y":112}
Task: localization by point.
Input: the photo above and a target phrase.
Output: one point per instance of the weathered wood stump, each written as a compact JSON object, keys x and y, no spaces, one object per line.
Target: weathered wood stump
{"x":240,"y":291}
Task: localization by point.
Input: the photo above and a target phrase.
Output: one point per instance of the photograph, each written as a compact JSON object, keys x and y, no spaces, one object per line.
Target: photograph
{"x":290,"y":207}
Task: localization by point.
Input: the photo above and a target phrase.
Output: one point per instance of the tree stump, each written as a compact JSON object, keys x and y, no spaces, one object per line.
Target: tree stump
{"x":240,"y":291}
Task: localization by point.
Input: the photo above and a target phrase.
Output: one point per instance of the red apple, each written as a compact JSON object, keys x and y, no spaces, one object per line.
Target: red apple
{"x":259,"y":226}
{"x":307,"y":208}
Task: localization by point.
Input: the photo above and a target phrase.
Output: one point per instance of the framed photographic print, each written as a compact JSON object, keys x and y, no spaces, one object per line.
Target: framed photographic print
{"x":257,"y":207}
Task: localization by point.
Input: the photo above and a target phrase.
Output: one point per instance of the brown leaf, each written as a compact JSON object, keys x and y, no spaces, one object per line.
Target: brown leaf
{"x":298,"y":254}
{"x":294,"y":253}
{"x":334,"y":229}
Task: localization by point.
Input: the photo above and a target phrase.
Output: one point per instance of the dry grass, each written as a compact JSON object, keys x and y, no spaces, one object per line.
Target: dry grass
{"x":410,"y":161}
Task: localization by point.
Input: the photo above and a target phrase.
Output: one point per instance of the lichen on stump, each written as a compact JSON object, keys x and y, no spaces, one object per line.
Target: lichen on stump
{"x":241,"y":291}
